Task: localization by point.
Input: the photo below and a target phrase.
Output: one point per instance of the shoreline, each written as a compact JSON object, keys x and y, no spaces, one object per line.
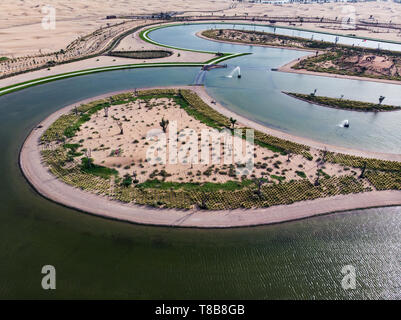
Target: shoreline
{"x":201,"y":92}
{"x":288,"y":68}
{"x":200,"y":35}
{"x":334,"y":107}
{"x":124,"y":63}
{"x":51,"y":188}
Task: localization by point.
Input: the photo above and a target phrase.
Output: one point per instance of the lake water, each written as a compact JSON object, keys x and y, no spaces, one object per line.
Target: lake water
{"x":258,"y":94}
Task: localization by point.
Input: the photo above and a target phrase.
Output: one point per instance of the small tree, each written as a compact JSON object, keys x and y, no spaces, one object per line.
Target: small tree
{"x":164,"y":124}
{"x":204,"y":198}
{"x":120,"y":125}
{"x":317,"y":182}
{"x":127,"y":181}
{"x":259,"y":182}
{"x":289,"y":155}
{"x":363,"y":171}
{"x":87,"y":163}
{"x":233,"y":122}
{"x":324,"y":155}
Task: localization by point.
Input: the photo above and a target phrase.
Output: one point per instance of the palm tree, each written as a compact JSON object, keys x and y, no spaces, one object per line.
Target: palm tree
{"x":259,"y":182}
{"x":164,"y":124}
{"x":317,"y":182}
{"x":233,"y":122}
{"x":204,"y":198}
{"x":362,"y":175}
{"x":120,"y":125}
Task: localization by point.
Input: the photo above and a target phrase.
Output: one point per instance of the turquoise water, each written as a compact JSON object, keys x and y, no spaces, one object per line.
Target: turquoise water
{"x":99,"y":258}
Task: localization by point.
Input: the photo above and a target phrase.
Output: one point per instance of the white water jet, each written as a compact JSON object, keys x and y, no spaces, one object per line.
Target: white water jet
{"x":236,"y":69}
{"x":343,"y":124}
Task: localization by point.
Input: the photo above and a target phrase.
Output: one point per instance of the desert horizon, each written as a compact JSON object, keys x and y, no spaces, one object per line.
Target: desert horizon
{"x":22,"y":32}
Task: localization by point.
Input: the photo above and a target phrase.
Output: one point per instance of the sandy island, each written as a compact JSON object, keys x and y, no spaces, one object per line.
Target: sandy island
{"x":50,"y":187}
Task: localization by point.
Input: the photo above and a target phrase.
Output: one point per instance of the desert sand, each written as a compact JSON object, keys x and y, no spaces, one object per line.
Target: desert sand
{"x":21,"y":32}
{"x":126,"y":152}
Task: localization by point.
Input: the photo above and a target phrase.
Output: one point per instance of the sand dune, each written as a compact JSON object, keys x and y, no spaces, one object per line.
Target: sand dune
{"x":21,"y":32}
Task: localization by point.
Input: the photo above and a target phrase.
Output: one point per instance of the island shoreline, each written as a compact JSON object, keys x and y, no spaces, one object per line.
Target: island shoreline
{"x":288,"y":66}
{"x":334,"y":107}
{"x":49,"y":187}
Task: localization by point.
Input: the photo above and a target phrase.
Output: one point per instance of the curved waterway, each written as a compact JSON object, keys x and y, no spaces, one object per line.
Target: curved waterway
{"x":258,"y":94}
{"x":99,"y":258}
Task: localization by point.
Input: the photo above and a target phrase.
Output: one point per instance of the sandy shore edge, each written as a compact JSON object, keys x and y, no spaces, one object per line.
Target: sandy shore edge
{"x":288,"y":66}
{"x":55,"y":190}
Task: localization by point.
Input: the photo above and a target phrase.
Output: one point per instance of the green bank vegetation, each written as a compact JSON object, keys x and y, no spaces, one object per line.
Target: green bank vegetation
{"x":142,"y":54}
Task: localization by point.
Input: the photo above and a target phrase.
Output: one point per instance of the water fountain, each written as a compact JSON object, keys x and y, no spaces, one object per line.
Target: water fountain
{"x":236,"y":69}
{"x":344,"y":124}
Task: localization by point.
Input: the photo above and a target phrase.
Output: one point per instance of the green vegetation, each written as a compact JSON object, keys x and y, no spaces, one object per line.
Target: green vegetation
{"x":89,"y":167}
{"x":143,"y":54}
{"x":271,"y":194}
{"x":57,"y":128}
{"x":342,"y":103}
{"x":359,"y":162}
{"x":205,"y":187}
{"x":385,"y":180}
{"x":2,"y":59}
{"x":301,"y":174}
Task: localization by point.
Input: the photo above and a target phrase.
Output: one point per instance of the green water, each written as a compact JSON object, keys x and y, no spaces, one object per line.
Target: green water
{"x":99,"y":258}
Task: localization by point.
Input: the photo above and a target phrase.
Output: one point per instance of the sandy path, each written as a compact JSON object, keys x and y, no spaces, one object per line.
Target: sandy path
{"x":53,"y":189}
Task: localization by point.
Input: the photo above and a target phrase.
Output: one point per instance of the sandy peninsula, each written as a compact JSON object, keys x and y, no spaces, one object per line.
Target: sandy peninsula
{"x":48,"y":186}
